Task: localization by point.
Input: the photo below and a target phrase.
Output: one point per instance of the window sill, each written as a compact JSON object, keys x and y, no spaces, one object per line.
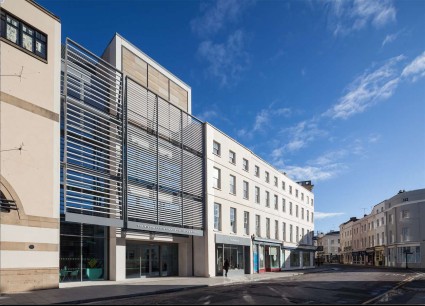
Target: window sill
{"x":22,"y":49}
{"x":217,"y":188}
{"x":218,"y":155}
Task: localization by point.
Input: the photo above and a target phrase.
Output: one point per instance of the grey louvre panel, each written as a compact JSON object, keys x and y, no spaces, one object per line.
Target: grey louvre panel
{"x":92,"y":138}
{"x":165,"y":164}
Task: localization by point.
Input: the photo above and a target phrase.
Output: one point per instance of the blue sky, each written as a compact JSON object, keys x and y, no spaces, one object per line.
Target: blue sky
{"x":328,"y":91}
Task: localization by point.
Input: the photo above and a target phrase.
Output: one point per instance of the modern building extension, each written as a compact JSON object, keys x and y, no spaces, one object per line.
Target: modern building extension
{"x":106,"y":174}
{"x":391,"y":235}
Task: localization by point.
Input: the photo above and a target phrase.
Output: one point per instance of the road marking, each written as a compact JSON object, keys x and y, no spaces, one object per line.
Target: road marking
{"x":400,"y":284}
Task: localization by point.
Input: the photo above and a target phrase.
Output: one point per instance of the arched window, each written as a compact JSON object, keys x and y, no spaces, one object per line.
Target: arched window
{"x":5,"y":204}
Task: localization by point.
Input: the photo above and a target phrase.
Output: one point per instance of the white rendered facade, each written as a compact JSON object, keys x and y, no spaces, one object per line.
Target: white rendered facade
{"x":232,"y":190}
{"x":390,"y":235}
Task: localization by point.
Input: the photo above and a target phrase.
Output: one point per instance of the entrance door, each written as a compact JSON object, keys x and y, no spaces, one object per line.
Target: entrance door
{"x":149,"y":260}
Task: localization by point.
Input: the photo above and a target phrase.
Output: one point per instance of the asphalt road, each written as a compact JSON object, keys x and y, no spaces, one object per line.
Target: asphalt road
{"x":338,"y":285}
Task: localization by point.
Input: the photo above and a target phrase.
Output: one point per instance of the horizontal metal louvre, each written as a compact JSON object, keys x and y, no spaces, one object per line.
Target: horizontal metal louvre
{"x":93,"y":136}
{"x":165,"y":162}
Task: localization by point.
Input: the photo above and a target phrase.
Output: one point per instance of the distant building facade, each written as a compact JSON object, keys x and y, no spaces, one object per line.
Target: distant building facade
{"x":329,"y":247}
{"x":391,"y":235}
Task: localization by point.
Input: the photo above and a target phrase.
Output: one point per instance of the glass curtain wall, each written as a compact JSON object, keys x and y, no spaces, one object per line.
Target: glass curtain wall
{"x":83,"y":252}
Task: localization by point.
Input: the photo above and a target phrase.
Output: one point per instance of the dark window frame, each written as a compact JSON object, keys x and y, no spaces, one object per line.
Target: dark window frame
{"x":36,"y":36}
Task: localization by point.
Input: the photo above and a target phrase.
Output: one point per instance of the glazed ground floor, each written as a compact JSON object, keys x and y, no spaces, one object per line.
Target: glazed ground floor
{"x":401,"y":255}
{"x":93,"y":252}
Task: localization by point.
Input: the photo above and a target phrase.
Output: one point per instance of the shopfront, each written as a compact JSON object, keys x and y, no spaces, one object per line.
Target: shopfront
{"x":370,"y":257}
{"x":379,"y":256}
{"x":151,"y":259}
{"x":266,"y":255}
{"x":236,"y":250}
{"x":83,"y":252}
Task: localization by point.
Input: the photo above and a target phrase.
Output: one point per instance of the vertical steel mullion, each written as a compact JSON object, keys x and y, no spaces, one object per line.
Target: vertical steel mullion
{"x":65,"y":130}
{"x":124,"y":152}
{"x":204,"y":177}
{"x":181,"y":165}
{"x":157,"y":159}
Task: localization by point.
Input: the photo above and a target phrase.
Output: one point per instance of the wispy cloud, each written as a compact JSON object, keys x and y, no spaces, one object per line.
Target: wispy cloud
{"x":207,"y":115}
{"x":416,"y":69}
{"x":303,"y":133}
{"x":226,"y":60}
{"x":322,"y":215}
{"x":315,"y":173}
{"x":389,"y":39}
{"x":367,"y":89}
{"x":345,"y":17}
{"x":217,"y":15}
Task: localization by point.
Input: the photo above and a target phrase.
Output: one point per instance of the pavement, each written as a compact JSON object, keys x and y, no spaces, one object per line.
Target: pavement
{"x":94,"y":291}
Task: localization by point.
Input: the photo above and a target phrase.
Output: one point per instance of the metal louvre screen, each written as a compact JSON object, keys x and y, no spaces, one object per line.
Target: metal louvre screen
{"x":164,"y":165}
{"x":93,"y":136}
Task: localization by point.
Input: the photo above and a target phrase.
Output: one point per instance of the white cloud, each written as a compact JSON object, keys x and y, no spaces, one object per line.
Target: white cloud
{"x":322,"y":215}
{"x":345,"y":17}
{"x":226,"y":60}
{"x":217,"y":15}
{"x":314,"y":173}
{"x":261,"y":119}
{"x":207,"y":115}
{"x":302,"y":134}
{"x":416,"y":69}
{"x":389,"y":39}
{"x":367,"y":90}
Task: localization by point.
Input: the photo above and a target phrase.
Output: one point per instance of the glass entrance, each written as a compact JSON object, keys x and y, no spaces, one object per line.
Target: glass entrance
{"x":147,"y":260}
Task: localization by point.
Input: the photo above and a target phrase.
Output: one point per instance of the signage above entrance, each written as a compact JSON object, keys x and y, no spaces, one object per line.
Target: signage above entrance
{"x":164,"y":229}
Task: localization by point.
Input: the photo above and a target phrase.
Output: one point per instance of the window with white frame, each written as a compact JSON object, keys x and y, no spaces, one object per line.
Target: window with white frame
{"x":302,"y":196}
{"x":405,"y":234}
{"x":283,"y":205}
{"x":312,"y":220}
{"x":276,"y":202}
{"x":312,"y":202}
{"x":283,"y":231}
{"x":216,"y":178}
{"x":257,"y":195}
{"x":232,"y":184}
{"x":217,"y":216}
{"x":290,"y":208}
{"x":296,"y":211}
{"x":390,"y":218}
{"x":257,"y":171}
{"x":404,"y":214}
{"x":245,"y":190}
{"x":267,"y":177}
{"x":291,"y":238}
{"x":296,"y":193}
{"x":302,"y":235}
{"x":268,"y":228}
{"x":283,"y":185}
{"x":245,"y":164}
{"x":276,"y":181}
{"x":246,"y":222}
{"x":257,"y":226}
{"x":290,"y":189}
{"x":216,"y":148}
{"x":276,"y":229}
{"x":232,"y":157}
{"x":308,"y":200}
{"x":267,"y":199}
{"x":302,"y":213}
{"x":308,"y":215}
{"x":383,"y":238}
{"x":297,"y":234}
{"x":233,"y":220}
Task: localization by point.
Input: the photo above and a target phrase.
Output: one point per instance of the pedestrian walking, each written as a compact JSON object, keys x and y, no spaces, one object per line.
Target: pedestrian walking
{"x":226,"y":266}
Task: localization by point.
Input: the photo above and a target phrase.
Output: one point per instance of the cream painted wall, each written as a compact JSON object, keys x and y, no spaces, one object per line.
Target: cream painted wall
{"x":34,"y":172}
{"x":228,"y":200}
